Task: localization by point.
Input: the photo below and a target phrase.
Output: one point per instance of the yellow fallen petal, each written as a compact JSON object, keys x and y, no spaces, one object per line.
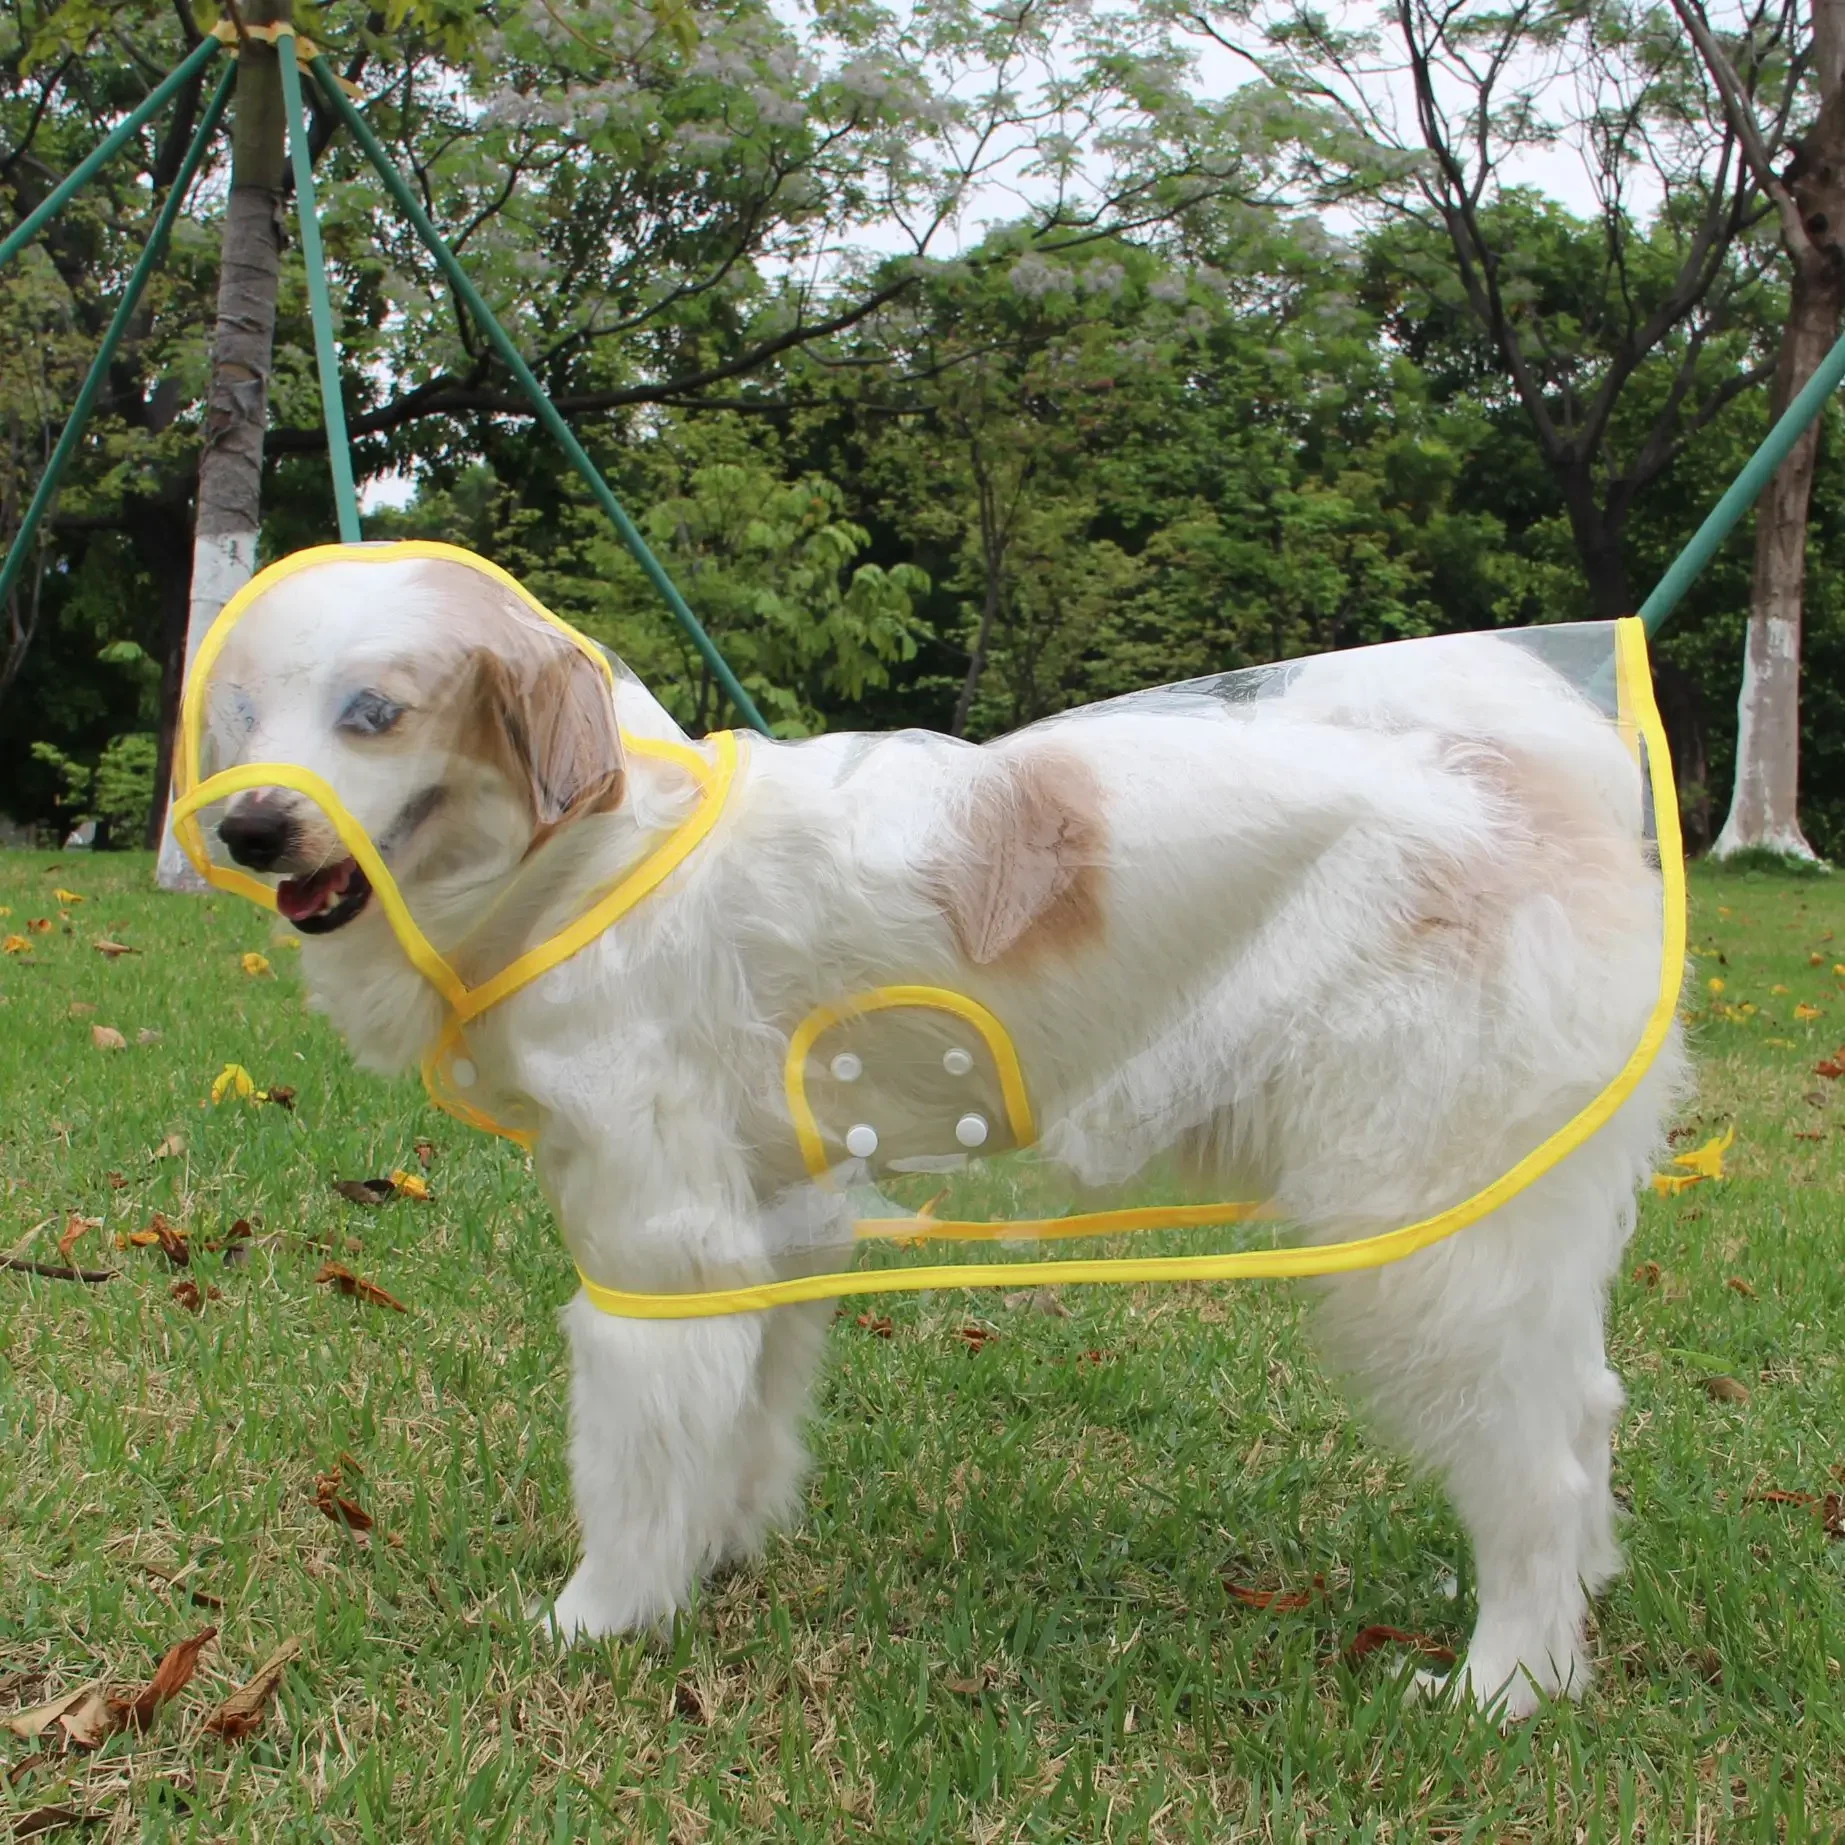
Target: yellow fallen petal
{"x":16,"y":945}
{"x":6,"y":909}
{"x":256,"y":964}
{"x":1724,"y":913}
{"x":1715,"y":985}
{"x":1670,"y":1184}
{"x":1838,"y":967}
{"x":1707,"y":1161}
{"x":66,"y":896}
{"x":1803,"y":1012}
{"x":409,"y":1183}
{"x":1778,"y":991}
{"x":232,"y":1079}
{"x":1782,"y":1044}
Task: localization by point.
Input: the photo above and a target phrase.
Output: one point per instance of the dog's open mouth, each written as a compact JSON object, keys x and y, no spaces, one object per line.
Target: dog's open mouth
{"x":326,"y":900}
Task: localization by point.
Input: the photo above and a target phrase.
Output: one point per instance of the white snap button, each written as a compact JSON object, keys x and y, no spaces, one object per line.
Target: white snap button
{"x":971,"y":1130}
{"x":848,"y":1067}
{"x":957,"y":1062}
{"x":463,"y":1072}
{"x":862,"y":1140}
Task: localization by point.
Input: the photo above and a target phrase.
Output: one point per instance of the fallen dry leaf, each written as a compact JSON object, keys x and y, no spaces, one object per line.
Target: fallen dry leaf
{"x":74,"y":1228}
{"x":967,"y":1687}
{"x":104,"y":946}
{"x":40,"y":925}
{"x":107,"y":1038}
{"x":1737,"y":1285}
{"x":1648,"y":1274}
{"x":365,"y":1191}
{"x":878,"y":1325}
{"x":36,"y":1721}
{"x":974,"y":1337}
{"x":1282,"y":1599}
{"x":1369,"y":1639}
{"x":187,"y":1293}
{"x":170,"y":1148}
{"x":425,"y":1154}
{"x":1726,"y":1390}
{"x":1803,"y":1012}
{"x":242,"y":1713}
{"x":81,"y":1008}
{"x":344,"y":1281}
{"x":148,"y":1035}
{"x":278,"y":1093}
{"x":171,"y":1677}
{"x":49,"y":1819}
{"x":341,"y":1510}
{"x":1832,"y":1068}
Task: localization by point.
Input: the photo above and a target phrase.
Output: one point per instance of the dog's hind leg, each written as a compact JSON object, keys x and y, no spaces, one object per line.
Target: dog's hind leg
{"x":1483,"y":1356}
{"x":773,"y":1455}
{"x":665,"y":1418}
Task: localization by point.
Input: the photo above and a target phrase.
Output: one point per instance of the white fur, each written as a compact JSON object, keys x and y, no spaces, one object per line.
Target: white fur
{"x":1364,"y":944}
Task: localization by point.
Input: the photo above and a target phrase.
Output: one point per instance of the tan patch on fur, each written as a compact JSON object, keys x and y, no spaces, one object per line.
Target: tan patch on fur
{"x":1024,"y":874}
{"x":530,"y":703}
{"x":1571,"y":845}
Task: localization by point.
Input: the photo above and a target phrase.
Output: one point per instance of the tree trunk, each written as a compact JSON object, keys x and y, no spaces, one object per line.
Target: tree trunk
{"x":1765,"y":804}
{"x":237,"y":406}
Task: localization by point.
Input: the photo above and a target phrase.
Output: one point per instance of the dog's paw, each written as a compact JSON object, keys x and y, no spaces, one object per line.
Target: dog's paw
{"x":1506,"y":1697}
{"x":586,"y":1610}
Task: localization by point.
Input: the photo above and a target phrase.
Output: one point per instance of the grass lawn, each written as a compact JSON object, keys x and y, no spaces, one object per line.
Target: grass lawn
{"x":1009,"y":1612}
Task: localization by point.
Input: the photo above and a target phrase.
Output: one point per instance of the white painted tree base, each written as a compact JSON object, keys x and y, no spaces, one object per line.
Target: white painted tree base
{"x":222,"y":563}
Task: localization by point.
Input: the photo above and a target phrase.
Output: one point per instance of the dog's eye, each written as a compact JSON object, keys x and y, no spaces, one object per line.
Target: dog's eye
{"x":370,"y":714}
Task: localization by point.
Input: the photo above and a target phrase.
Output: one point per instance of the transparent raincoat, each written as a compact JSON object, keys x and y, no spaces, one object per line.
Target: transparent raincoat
{"x":909,"y":1110}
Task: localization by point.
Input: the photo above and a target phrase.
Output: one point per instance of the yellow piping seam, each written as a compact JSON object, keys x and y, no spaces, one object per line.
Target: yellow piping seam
{"x":885,"y":999}
{"x":1634,"y":680}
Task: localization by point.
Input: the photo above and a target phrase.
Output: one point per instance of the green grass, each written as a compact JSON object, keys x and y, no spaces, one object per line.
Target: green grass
{"x":1005,"y":1614}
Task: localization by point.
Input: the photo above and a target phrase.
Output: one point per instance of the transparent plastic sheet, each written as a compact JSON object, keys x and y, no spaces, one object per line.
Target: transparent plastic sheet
{"x":899,"y":1095}
{"x":934,"y":1124}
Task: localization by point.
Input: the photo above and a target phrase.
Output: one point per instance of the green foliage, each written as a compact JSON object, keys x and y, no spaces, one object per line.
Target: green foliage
{"x":117,"y":790}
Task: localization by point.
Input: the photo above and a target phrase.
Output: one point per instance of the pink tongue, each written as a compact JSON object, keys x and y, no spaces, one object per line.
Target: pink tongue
{"x":299,"y":897}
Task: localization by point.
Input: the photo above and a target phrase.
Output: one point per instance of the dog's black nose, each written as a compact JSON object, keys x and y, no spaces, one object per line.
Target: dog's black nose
{"x":257,"y":836}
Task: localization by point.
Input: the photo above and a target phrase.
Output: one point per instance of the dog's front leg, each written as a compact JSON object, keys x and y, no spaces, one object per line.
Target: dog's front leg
{"x":664,"y":1417}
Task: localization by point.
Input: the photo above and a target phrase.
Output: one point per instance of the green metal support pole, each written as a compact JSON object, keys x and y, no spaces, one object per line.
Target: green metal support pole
{"x":72,"y":433}
{"x":80,"y":175}
{"x":320,"y":305}
{"x":1744,"y":490}
{"x":546,"y":411}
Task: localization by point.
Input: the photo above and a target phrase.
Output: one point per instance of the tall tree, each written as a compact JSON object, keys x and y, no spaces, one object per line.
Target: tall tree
{"x":1808,"y":196}
{"x":229,"y":521}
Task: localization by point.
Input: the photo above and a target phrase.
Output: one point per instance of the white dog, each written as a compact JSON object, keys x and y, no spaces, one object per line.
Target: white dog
{"x":1359,"y":945}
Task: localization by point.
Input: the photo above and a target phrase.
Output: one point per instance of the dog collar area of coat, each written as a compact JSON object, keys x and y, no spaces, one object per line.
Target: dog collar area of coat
{"x":957,"y":1071}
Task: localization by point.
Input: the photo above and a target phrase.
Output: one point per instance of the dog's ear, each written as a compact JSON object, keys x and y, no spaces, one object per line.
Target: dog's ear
{"x":550,"y":720}
{"x":1021,"y":869}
